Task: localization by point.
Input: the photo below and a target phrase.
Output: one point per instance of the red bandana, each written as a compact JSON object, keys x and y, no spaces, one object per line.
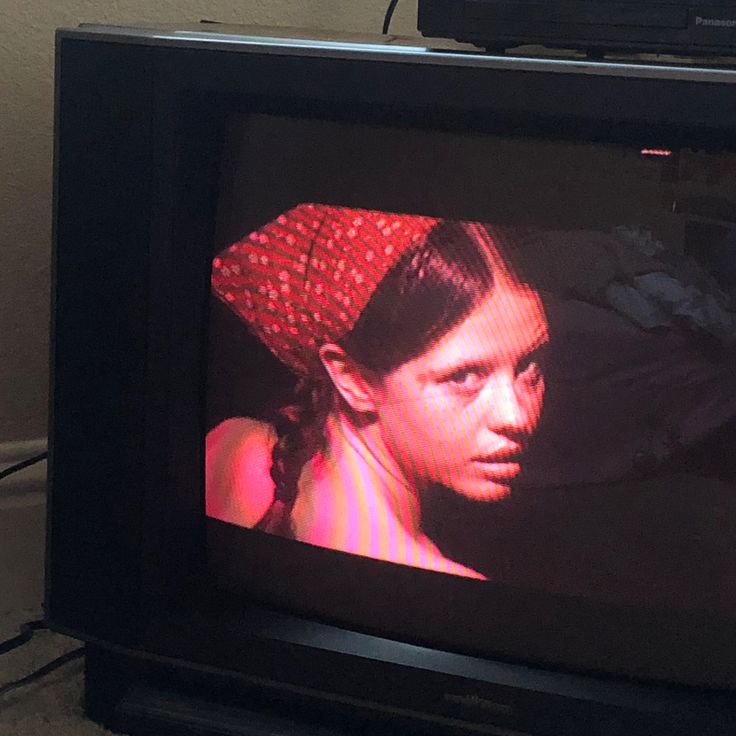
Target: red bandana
{"x":303,"y":280}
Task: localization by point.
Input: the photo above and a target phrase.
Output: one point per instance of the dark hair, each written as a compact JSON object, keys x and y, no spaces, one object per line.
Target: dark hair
{"x":429,"y":291}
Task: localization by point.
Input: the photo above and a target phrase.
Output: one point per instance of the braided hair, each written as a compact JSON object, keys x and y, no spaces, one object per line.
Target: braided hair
{"x":431,"y":289}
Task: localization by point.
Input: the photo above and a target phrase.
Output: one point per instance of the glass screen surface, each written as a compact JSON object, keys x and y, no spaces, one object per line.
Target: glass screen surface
{"x":505,"y":359}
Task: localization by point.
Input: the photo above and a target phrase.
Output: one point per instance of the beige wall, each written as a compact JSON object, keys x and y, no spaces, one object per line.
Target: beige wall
{"x":26,"y":108}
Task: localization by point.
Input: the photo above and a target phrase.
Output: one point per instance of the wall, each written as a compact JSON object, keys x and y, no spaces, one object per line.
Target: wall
{"x":26,"y":113}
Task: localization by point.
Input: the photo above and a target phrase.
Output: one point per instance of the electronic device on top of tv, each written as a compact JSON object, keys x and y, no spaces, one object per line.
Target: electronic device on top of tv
{"x":684,"y":27}
{"x":393,"y":389}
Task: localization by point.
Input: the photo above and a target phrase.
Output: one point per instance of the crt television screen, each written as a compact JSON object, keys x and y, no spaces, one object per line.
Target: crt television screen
{"x":492,"y":357}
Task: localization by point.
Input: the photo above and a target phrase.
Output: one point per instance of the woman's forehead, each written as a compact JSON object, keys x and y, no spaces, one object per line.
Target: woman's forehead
{"x":505,"y":326}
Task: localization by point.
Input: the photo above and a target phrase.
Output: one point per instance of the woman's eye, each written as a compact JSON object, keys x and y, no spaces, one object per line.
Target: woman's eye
{"x":468,"y":379}
{"x":530,"y":371}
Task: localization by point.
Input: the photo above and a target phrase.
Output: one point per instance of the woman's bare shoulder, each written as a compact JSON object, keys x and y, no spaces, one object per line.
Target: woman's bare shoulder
{"x":239,"y":487}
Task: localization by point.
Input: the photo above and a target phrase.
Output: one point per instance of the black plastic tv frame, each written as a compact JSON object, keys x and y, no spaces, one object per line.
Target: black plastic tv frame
{"x":140,"y":115}
{"x":684,"y":27}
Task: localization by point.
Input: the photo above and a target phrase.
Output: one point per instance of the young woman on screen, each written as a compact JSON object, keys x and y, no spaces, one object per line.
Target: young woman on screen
{"x":417,"y":352}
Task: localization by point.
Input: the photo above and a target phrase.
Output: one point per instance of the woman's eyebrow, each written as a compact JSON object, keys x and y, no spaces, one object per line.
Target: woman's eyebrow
{"x":540,"y":344}
{"x":442,"y":372}
{"x":487,"y":361}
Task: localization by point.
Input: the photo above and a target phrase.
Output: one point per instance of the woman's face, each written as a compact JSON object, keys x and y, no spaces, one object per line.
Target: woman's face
{"x":461,"y":413}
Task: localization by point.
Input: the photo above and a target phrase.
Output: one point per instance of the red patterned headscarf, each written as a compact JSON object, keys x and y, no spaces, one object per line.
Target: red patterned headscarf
{"x":304,"y":279}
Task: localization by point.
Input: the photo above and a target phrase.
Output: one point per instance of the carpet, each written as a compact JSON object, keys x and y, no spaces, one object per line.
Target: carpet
{"x":52,"y":706}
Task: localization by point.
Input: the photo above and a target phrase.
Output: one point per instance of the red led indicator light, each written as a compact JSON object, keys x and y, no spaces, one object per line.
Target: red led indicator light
{"x":655,"y":152}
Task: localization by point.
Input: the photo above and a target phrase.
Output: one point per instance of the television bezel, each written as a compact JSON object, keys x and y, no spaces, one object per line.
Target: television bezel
{"x":139,"y":123}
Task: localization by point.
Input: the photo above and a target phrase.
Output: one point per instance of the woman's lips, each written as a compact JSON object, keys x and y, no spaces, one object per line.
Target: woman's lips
{"x":499,"y":469}
{"x":511,"y":455}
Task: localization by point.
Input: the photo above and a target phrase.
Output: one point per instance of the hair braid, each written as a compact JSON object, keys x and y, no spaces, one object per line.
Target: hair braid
{"x":300,"y":430}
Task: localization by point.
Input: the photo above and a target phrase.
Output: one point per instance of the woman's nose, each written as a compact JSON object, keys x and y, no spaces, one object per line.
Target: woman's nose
{"x":506,"y":409}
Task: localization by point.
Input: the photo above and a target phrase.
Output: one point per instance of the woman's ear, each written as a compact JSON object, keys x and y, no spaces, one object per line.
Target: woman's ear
{"x":348,"y":377}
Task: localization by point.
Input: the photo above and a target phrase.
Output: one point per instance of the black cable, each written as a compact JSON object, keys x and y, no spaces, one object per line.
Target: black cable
{"x":27,"y":630}
{"x":389,"y":14}
{"x":23,"y":464}
{"x":54,"y":664}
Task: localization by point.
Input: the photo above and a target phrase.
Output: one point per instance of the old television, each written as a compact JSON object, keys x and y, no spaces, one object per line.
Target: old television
{"x":576,"y":574}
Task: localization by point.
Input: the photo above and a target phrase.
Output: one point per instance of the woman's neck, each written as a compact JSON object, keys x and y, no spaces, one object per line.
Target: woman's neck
{"x":365,"y":447}
{"x":353,"y":495}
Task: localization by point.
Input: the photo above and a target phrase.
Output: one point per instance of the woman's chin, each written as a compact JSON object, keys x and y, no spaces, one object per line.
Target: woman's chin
{"x":482,"y":490}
